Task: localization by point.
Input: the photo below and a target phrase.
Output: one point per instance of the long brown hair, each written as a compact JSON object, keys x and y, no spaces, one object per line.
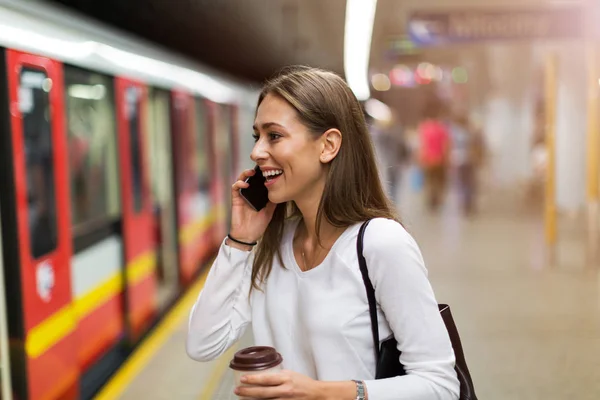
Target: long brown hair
{"x":353,"y":192}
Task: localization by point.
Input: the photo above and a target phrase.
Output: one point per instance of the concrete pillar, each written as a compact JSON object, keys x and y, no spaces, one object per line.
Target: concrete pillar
{"x":571,"y":119}
{"x":508,"y":115}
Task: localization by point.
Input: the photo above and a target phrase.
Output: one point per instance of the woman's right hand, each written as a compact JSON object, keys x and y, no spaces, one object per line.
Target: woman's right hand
{"x":247,"y":224}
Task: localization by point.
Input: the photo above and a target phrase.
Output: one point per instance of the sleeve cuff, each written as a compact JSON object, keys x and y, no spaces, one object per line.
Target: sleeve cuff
{"x":232,"y":251}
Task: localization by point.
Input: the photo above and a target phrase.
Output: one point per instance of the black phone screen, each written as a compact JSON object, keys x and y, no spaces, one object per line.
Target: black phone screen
{"x":257,"y":194}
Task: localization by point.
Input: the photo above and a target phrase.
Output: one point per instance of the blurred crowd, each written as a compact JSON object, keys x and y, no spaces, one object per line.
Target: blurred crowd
{"x":445,"y":148}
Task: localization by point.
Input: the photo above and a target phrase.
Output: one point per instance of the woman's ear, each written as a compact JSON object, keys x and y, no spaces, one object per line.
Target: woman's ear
{"x":331,"y":143}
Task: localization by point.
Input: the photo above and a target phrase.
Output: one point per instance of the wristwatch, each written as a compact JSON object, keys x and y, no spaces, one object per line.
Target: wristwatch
{"x":360,"y":390}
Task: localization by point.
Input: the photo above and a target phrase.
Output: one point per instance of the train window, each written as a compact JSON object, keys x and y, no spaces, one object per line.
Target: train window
{"x":92,"y":148}
{"x":202,"y":146}
{"x":133,"y":98}
{"x":181,"y":145}
{"x":224,"y":141}
{"x":159,"y":145}
{"x":225,"y":150}
{"x":34,"y":104}
{"x":246,"y":144}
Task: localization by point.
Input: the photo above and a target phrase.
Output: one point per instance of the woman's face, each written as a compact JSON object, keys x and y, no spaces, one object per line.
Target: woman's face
{"x":287,"y":153}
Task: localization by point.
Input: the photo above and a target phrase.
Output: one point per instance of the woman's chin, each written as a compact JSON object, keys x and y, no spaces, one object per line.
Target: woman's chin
{"x":276,"y":198}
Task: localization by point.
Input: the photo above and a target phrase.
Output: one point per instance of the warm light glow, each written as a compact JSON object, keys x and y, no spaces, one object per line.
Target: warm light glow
{"x":401,"y":75}
{"x":378,"y":110}
{"x":426,"y":70}
{"x":381,"y":82}
{"x":460,"y":75}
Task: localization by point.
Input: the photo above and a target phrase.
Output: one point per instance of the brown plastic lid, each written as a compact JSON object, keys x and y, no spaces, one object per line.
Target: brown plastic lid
{"x":255,"y":358}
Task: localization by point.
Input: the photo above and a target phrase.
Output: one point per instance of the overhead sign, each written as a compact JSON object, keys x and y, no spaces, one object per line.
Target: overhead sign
{"x":433,"y":28}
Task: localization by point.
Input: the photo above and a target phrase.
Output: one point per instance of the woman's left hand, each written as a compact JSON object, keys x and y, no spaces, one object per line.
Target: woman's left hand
{"x":279,"y":385}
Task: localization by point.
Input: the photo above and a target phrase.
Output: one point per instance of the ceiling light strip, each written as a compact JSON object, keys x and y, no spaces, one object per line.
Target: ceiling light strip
{"x":360,"y":15}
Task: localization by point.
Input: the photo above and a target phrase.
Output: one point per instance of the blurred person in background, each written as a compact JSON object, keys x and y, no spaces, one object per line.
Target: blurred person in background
{"x":413,"y":151}
{"x":466,"y":157}
{"x":434,"y":152}
{"x":392,"y":154}
{"x":400,"y":159}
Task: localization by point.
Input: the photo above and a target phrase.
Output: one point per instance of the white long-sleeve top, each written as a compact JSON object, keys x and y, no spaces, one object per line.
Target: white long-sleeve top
{"x":319,"y":319}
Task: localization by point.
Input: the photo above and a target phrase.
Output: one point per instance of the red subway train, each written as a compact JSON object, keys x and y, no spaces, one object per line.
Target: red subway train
{"x":116,"y":160}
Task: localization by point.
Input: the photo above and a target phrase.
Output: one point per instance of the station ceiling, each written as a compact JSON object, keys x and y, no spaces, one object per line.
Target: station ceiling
{"x":252,"y":39}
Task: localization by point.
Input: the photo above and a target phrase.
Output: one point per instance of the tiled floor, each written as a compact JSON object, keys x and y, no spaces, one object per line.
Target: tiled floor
{"x":530,"y":331}
{"x":171,"y":374}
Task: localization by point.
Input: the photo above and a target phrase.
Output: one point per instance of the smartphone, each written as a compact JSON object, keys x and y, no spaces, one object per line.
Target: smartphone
{"x":257,"y":194}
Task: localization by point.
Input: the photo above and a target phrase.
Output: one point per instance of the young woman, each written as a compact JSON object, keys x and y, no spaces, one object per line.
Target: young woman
{"x":300,"y":287}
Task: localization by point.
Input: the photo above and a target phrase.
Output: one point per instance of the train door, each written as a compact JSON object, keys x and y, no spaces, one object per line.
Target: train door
{"x":234,"y":135}
{"x":97,"y":262}
{"x":234,"y":150}
{"x":225,"y":157}
{"x":243,"y":136}
{"x":36,"y":231}
{"x":161,"y":165}
{"x":5,"y":386}
{"x":140,"y":257}
{"x":217,"y":190}
{"x":205,"y":175}
{"x":191,"y":183}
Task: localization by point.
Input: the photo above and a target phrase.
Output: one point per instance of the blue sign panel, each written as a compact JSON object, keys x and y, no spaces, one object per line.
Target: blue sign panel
{"x":434,"y":28}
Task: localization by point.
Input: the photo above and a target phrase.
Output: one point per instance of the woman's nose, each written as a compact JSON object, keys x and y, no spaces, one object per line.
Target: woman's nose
{"x":258,"y":152}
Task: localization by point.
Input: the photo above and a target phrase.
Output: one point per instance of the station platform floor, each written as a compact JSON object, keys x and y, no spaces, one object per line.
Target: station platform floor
{"x":530,"y":328}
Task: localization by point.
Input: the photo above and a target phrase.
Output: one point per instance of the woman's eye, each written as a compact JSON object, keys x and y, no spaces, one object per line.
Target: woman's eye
{"x":271,"y":135}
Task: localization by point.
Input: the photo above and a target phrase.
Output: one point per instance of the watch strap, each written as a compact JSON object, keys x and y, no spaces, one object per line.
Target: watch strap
{"x":360,"y":390}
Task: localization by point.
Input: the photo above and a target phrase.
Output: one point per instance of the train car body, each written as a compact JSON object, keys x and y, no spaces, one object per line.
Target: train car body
{"x":116,"y":159}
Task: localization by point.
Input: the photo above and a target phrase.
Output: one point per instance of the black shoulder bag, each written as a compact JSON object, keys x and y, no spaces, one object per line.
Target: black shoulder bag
{"x":388,"y":356}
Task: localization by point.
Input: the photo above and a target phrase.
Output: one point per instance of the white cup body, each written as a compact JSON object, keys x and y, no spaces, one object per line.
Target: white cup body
{"x":237,"y":375}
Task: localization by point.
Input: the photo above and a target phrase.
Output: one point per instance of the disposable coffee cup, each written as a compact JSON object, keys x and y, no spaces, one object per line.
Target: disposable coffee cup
{"x":255,"y":360}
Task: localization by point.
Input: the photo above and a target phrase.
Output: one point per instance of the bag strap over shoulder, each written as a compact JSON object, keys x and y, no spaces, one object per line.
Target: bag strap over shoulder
{"x":390,"y":362}
{"x":368,"y":286}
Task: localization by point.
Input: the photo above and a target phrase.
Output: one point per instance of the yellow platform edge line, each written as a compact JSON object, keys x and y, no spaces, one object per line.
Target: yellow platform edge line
{"x":145,"y":350}
{"x":215,"y":378}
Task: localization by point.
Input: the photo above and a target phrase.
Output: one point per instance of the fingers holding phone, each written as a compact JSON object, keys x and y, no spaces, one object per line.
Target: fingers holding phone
{"x":251,"y":209}
{"x":241,"y":183}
